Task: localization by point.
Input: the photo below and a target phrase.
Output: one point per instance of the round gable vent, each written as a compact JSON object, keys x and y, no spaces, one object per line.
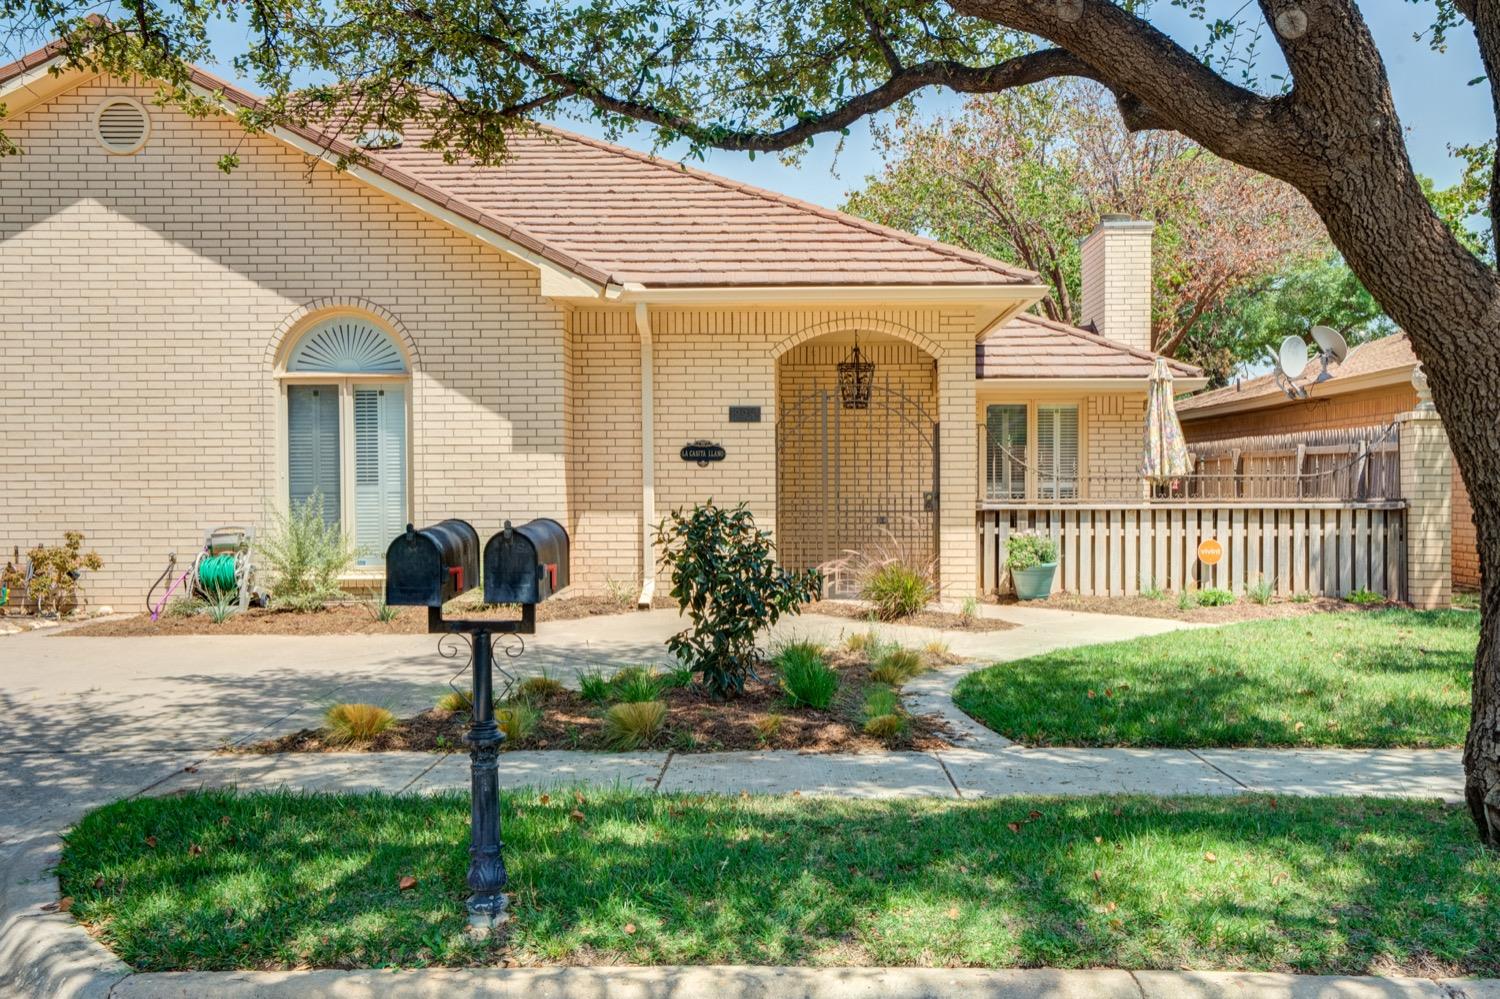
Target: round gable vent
{"x":122,"y":125}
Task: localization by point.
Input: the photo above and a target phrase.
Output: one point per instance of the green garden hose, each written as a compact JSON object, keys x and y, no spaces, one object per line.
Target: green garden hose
{"x":216,"y":574}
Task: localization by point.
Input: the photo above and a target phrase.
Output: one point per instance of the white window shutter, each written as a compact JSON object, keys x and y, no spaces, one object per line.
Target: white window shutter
{"x":1007,"y":451}
{"x":379,"y":469}
{"x":1057,"y":451}
{"x":313,"y":446}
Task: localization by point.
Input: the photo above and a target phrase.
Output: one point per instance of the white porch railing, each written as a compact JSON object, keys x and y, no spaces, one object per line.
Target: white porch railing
{"x":1320,"y":548}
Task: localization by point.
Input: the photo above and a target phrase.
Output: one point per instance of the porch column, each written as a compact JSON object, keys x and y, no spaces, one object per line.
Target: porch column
{"x":648,"y":460}
{"x":958,"y":470}
{"x":1427,"y":486}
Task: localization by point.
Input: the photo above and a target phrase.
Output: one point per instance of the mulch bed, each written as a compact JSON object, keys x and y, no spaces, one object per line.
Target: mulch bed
{"x":341,"y":619}
{"x":942,"y":620}
{"x":1166,"y":607}
{"x":696,"y":722}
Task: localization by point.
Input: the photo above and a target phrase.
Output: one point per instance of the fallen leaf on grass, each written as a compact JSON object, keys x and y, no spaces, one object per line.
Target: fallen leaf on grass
{"x":151,"y":842}
{"x":99,"y":882}
{"x":189,"y":770}
{"x":1014,"y":827}
{"x":1278,"y":878}
{"x":195,"y":850}
{"x":61,"y":905}
{"x":953,"y":912}
{"x":576,"y":815}
{"x":407,"y":882}
{"x":1210,"y":856}
{"x":630,"y":929}
{"x":545,"y":799}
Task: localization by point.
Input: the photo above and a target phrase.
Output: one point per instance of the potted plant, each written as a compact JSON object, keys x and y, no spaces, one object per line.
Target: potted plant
{"x":1032,"y":561}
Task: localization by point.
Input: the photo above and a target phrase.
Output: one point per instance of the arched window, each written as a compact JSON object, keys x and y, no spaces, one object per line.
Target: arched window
{"x":346,"y":383}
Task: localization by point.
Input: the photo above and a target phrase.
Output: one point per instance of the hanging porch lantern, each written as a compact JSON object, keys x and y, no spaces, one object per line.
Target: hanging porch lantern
{"x":856,"y":378}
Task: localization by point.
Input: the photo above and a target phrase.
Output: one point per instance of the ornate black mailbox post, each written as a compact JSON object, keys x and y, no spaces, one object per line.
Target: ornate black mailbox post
{"x":522,"y":565}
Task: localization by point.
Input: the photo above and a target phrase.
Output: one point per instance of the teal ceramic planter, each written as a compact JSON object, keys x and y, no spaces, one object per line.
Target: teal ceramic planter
{"x":1034,"y":583}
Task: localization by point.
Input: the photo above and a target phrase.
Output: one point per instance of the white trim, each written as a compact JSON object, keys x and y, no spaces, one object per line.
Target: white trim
{"x":648,"y":457}
{"x":1001,"y":386}
{"x":927,"y":294}
{"x":40,"y":84}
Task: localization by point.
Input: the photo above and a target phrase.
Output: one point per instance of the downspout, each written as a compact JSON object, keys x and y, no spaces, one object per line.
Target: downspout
{"x":648,"y":461}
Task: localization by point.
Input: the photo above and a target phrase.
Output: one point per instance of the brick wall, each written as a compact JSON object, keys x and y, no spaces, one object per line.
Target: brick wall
{"x":1426,"y":484}
{"x":1116,"y":280}
{"x":1113,"y":440}
{"x":142,"y":298}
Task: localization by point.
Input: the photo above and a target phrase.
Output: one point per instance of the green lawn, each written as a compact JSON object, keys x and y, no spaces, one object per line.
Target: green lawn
{"x":1377,"y":678}
{"x":1313,"y":885}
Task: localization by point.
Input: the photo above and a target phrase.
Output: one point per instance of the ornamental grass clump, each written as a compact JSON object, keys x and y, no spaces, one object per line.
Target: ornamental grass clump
{"x":725,"y":578}
{"x":885,"y":718}
{"x":896,"y":665}
{"x":455,"y":701}
{"x":349,"y":723}
{"x":594,"y":686}
{"x":516,"y":719}
{"x":539,"y":688}
{"x":895,"y":582}
{"x":806,"y":677}
{"x":635,"y":685}
{"x":634,"y":725}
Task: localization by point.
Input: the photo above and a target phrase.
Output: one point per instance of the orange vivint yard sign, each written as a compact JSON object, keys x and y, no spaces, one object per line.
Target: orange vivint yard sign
{"x":1210,"y":551}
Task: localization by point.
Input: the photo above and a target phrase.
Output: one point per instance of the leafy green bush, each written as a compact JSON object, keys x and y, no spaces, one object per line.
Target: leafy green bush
{"x":726,"y":580}
{"x":806,"y":676}
{"x":356,"y":722}
{"x":896,"y":665}
{"x":184,"y":607}
{"x":1215,"y":597}
{"x":634,"y":725}
{"x":306,"y":556}
{"x":1027,"y":551}
{"x":1364,"y":597}
{"x":635,"y":685}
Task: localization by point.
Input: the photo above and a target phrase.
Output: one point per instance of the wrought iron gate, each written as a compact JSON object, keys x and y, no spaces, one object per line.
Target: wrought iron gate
{"x":855,"y":481}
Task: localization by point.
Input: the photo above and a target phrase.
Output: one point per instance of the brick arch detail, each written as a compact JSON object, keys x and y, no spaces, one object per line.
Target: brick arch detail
{"x":304,"y":315}
{"x":859,"y":324}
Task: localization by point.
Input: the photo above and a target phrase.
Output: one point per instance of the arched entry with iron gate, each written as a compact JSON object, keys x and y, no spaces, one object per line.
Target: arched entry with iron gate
{"x":856,"y":468}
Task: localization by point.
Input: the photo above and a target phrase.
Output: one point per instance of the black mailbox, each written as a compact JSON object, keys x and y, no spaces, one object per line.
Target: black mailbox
{"x":427,"y":568}
{"x":526,"y":564}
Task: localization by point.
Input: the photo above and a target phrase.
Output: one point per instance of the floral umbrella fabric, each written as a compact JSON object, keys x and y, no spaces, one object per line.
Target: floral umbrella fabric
{"x":1164,"y":455}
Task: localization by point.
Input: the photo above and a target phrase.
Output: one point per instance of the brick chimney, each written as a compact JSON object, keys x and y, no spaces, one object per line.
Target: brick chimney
{"x":1117,"y":279}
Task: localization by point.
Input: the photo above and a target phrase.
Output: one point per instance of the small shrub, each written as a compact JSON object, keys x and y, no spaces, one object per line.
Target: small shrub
{"x":968,"y":611}
{"x":517,"y":720}
{"x":184,"y":607}
{"x":1364,"y":597}
{"x":623,"y":594}
{"x":1259,"y":592}
{"x":888,"y":728}
{"x":897,"y":665}
{"x":594,"y":686}
{"x":897,"y":590}
{"x":222,"y":607}
{"x":1187,"y":600}
{"x":356,"y":722}
{"x":51,"y":581}
{"x":634,"y":725}
{"x":1153,"y":592}
{"x":306,"y":556}
{"x":938,"y":650}
{"x":1302,"y":598}
{"x":1465,"y":600}
{"x":862,"y":641}
{"x":455,"y":701}
{"x":806,"y":676}
{"x":1215,"y":597}
{"x":1027,"y":551}
{"x":726,"y":580}
{"x":539,"y":688}
{"x":384,"y":612}
{"x":635,"y":685}
{"x":769,"y":727}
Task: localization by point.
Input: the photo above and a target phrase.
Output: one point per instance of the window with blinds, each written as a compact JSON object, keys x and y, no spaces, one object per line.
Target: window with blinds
{"x":379,"y":469}
{"x":1057,"y":452}
{"x":1005,"y":451}
{"x":313,"y":446}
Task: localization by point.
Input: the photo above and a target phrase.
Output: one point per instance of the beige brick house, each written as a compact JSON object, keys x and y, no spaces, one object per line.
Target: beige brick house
{"x":412,"y":340}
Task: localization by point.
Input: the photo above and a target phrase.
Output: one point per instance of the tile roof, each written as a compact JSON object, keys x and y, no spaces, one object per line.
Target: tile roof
{"x":614,"y":215}
{"x":1032,"y":346}
{"x":1389,"y":353}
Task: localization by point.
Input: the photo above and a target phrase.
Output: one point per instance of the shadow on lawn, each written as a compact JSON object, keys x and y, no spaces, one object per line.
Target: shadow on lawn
{"x":1310,"y":885}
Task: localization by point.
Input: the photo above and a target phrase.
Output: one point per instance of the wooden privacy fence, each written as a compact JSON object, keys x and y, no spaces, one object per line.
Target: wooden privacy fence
{"x":1317,"y":548}
{"x":1356,"y":463}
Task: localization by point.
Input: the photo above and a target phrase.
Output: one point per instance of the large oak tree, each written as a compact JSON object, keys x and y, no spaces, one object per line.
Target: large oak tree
{"x":774,"y":74}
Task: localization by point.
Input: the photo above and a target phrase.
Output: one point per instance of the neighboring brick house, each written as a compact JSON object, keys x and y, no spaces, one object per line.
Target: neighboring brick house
{"x":415,"y":340}
{"x":1372,"y":387}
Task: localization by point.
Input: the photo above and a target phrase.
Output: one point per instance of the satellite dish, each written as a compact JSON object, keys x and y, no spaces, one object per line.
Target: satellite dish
{"x":1291,"y":359}
{"x":1330,"y":344}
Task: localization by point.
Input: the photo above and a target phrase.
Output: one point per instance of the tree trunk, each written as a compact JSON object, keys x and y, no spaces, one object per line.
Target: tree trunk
{"x":1482,"y":748}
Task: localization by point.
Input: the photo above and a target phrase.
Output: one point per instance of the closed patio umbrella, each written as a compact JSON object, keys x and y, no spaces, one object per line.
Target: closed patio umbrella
{"x":1164,"y":455}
